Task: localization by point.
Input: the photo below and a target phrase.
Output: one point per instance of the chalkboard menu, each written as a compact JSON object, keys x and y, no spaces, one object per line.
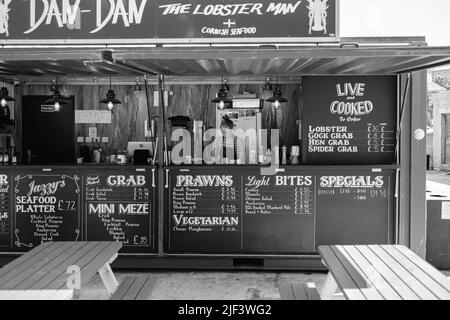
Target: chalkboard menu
{"x":47,"y":208}
{"x":350,"y":120}
{"x":278,"y":213}
{"x":5,"y":216}
{"x":205,"y":212}
{"x":119,"y":207}
{"x":355,"y":207}
{"x":241,"y":211}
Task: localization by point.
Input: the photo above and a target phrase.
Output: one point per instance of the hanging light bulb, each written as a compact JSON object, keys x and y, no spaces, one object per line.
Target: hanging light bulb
{"x":57,"y":100}
{"x":277,"y":104}
{"x":137,"y":86}
{"x":221,"y":98}
{"x":225,"y":86}
{"x":268,"y":85}
{"x":277,"y":98}
{"x":110,"y":100}
{"x":57,"y":106}
{"x":4,"y":96}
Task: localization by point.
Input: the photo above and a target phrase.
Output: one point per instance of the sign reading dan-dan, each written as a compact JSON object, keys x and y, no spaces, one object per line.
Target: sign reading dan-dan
{"x":75,"y":21}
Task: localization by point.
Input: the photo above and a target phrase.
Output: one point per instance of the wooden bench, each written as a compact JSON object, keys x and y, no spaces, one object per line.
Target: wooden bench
{"x":42,"y":273}
{"x":298,"y":291}
{"x":134,"y":288}
{"x":381,"y":272}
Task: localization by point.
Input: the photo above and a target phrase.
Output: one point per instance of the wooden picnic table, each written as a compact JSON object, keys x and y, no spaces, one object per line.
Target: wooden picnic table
{"x":43,"y":273}
{"x":381,"y":272}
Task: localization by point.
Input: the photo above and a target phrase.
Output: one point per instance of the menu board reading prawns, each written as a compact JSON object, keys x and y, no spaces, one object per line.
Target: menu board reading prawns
{"x":205,"y":212}
{"x":118,"y":207}
{"x":350,"y":120}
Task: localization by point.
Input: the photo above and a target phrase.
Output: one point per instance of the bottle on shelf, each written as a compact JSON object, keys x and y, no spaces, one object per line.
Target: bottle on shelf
{"x":14,"y":159}
{"x":96,"y":156}
{"x":6,"y":158}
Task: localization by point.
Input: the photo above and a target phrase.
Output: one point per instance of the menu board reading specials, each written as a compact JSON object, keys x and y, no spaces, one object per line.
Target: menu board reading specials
{"x":47,"y":207}
{"x":118,"y":207}
{"x":350,"y":120}
{"x":355,"y":207}
{"x":5,"y":216}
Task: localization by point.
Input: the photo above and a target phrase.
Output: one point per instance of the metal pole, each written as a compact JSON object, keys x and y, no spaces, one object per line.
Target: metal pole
{"x":161,"y":165}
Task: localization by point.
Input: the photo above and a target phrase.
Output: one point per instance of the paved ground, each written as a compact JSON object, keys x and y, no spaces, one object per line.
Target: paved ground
{"x":439,"y":176}
{"x":211,"y":285}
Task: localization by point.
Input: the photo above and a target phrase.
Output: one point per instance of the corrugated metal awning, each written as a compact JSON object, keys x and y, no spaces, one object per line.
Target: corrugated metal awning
{"x":283,"y":61}
{"x":60,"y":62}
{"x":349,"y":57}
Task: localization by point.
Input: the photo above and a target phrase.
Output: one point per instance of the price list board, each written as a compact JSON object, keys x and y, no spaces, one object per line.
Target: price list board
{"x":5,"y":211}
{"x":204,"y":212}
{"x":279,"y":213}
{"x":120,"y":207}
{"x":350,"y":120}
{"x":239,"y":212}
{"x":47,"y":207}
{"x":356,"y":207}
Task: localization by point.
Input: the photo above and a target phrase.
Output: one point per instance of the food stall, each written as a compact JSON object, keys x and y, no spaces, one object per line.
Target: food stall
{"x":343,"y":119}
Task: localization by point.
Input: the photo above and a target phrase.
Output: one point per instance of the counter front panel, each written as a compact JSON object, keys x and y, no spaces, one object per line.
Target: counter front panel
{"x":78,"y":204}
{"x":230,"y":210}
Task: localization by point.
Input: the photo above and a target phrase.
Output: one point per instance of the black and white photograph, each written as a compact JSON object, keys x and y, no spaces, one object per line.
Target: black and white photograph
{"x":225,"y":156}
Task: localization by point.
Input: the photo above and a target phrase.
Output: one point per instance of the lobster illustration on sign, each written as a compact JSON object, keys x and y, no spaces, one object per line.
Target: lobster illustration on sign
{"x":4,"y":17}
{"x":318,"y":15}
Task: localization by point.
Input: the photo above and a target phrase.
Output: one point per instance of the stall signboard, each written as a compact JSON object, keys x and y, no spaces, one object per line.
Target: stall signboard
{"x":47,"y":207}
{"x":159,"y":21}
{"x":241,"y":211}
{"x":120,"y":207}
{"x":350,"y":120}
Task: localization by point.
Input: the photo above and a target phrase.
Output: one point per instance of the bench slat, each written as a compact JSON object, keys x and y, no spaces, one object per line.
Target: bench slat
{"x":135,"y":288}
{"x":299,"y":291}
{"x":38,"y":261}
{"x":374,"y":294}
{"x":415,"y":285}
{"x":44,"y":278}
{"x":394,"y":281}
{"x":311,"y":291}
{"x":418,"y":273}
{"x":123,"y":288}
{"x":371,"y":274}
{"x":23,"y":258}
{"x":285,"y":291}
{"x":359,"y":280}
{"x":28,"y":276}
{"x":81,"y":260}
{"x":354,"y":294}
{"x":425,"y":266}
{"x":147,"y":289}
{"x":340,"y":274}
{"x":91,"y":268}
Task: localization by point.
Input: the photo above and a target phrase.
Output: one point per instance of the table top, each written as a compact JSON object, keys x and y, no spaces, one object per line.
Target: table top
{"x":45,"y":267}
{"x":384,"y":272}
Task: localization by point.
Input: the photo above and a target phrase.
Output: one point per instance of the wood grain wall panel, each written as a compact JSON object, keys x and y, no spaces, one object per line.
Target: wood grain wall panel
{"x":189,"y":100}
